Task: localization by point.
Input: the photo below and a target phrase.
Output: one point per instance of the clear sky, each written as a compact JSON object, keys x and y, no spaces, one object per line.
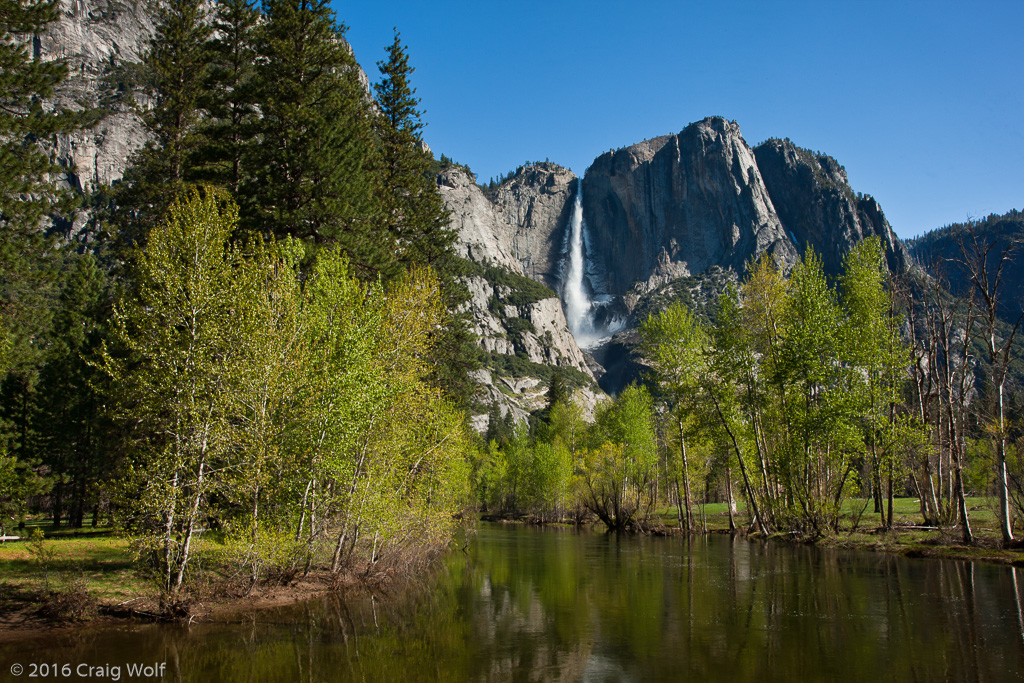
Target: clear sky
{"x":922,"y":102}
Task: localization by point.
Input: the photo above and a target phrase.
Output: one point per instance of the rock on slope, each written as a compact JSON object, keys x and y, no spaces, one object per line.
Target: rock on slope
{"x":815,"y":203}
{"x":484,"y":237}
{"x":537,"y":202}
{"x":519,"y":323}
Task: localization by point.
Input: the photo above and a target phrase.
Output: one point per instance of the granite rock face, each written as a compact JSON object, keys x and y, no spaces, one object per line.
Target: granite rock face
{"x":100,"y":40}
{"x":675,"y":205}
{"x":96,"y":38}
{"x":818,"y":208}
{"x":484,"y":236}
{"x":537,"y":201}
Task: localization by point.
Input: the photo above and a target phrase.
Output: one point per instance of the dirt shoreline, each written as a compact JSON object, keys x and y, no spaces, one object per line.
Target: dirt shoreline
{"x":26,"y":622}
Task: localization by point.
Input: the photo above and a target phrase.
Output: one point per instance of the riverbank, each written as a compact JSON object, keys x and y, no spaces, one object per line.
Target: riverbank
{"x":58,"y":583}
{"x":861,"y":530}
{"x":77,"y":577}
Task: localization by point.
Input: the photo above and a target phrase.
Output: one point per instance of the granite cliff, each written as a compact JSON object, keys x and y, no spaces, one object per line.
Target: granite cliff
{"x":815,"y":203}
{"x":99,"y":40}
{"x":676,"y":205}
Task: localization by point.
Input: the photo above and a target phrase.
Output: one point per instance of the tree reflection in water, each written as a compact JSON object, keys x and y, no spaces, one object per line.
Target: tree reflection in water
{"x":557,"y":605}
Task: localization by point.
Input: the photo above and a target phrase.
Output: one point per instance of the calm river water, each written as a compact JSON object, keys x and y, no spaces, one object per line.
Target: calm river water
{"x":526,"y":604}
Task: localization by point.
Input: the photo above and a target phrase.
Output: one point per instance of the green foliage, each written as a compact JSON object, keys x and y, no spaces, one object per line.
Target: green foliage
{"x":19,"y":483}
{"x":516,"y":290}
{"x":175,"y":382}
{"x":175,"y":73}
{"x":515,"y":366}
{"x":802,"y":382}
{"x":74,"y":436}
{"x":228,"y":97}
{"x":27,"y":193}
{"x":265,"y":401}
{"x":310,"y":176}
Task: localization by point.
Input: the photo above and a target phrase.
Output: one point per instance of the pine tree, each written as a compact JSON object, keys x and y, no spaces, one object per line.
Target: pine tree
{"x":27,"y":193}
{"x":414,"y":212}
{"x":29,"y":198}
{"x":175,"y":74}
{"x":228,"y":98}
{"x":415,"y":216}
{"x":310,"y":173}
{"x":69,"y":418}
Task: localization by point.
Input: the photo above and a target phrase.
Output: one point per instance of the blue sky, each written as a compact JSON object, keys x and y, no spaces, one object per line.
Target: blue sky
{"x":922,"y":102}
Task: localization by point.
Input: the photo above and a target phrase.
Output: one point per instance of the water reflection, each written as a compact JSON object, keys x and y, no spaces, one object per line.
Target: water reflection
{"x":542,"y":605}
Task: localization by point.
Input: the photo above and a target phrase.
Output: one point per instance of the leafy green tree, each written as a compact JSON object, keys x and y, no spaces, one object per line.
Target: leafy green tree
{"x":175,"y":382}
{"x":874,"y":347}
{"x":620,"y":467}
{"x":733,"y":387}
{"x":415,"y":217}
{"x":675,"y":344}
{"x":392,"y":485}
{"x":820,"y":403}
{"x":261,"y":479}
{"x":413,"y":210}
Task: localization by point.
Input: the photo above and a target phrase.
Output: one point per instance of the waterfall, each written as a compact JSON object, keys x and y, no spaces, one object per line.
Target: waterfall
{"x":575,"y":298}
{"x":583,"y":311}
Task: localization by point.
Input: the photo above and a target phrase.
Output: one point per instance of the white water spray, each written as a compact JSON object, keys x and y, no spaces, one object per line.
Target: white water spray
{"x":580,"y":307}
{"x":574,"y":292}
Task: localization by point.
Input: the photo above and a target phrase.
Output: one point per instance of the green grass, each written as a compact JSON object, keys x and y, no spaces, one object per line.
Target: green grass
{"x":903,"y":540}
{"x":102,"y":558}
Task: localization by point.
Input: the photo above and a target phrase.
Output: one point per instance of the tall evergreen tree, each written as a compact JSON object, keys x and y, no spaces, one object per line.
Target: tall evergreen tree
{"x":29,"y":197}
{"x":175,"y":72}
{"x":415,"y":216}
{"x":73,"y":434}
{"x":414,"y":212}
{"x":310,"y":175}
{"x":27,"y":193}
{"x":228,"y":97}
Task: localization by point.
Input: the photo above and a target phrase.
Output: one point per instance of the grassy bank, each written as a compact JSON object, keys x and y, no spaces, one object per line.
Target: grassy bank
{"x":75,"y":576}
{"x":861,"y":529}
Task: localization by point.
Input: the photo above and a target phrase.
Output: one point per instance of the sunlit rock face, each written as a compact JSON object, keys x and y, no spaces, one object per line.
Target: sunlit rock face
{"x":536,"y":201}
{"x":677,"y":204}
{"x":98,"y":40}
{"x":483,"y":235}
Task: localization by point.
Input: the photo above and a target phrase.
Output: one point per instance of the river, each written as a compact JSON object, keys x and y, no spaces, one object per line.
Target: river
{"x":528,"y":604}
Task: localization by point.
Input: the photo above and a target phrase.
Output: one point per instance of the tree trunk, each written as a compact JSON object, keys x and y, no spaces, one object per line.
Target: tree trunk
{"x":686,"y":478}
{"x":729,"y":502}
{"x":1004,"y":502}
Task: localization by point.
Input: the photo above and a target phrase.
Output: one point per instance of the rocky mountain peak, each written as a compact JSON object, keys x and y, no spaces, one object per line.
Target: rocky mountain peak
{"x":536,"y":201}
{"x":815,"y":203}
{"x":677,"y":204}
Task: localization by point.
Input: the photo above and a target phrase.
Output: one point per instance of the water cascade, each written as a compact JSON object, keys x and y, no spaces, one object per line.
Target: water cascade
{"x":585,"y":313}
